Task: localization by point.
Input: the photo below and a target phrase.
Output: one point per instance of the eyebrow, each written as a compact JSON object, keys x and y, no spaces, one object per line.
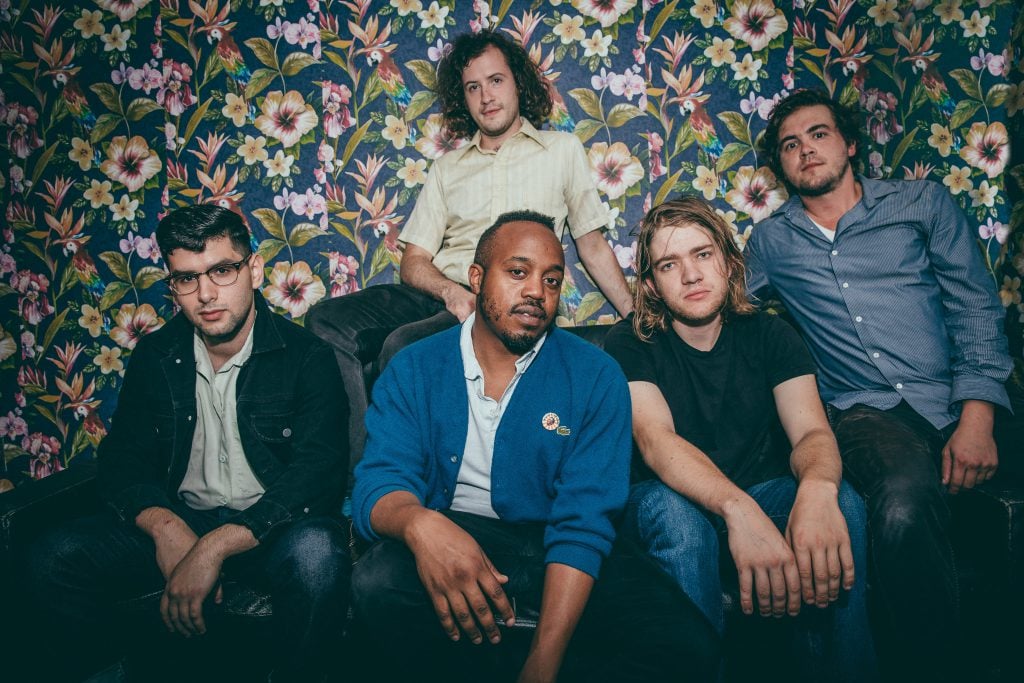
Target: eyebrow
{"x":496,"y":73}
{"x":812,"y":129}
{"x":524,"y":259}
{"x":176,"y":273}
{"x":673,"y":255}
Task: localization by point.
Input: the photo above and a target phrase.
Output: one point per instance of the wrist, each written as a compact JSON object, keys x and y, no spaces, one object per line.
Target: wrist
{"x":737,"y":507}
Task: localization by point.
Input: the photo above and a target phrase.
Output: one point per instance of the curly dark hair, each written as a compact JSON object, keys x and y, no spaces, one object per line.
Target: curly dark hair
{"x":534,"y":97}
{"x":191,"y":227}
{"x":847,"y":121}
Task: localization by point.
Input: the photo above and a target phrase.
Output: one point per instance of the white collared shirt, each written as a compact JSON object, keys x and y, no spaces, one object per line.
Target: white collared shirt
{"x":473,"y":487}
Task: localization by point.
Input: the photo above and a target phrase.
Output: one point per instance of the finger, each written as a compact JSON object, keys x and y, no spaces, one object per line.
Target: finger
{"x":804,"y":568}
{"x":846,"y":561}
{"x":482,"y":613}
{"x":793,"y":584}
{"x":746,"y":581}
{"x":956,"y":477}
{"x":970,"y":477}
{"x":777,"y":579}
{"x":165,"y":613}
{"x":195,"y":616}
{"x":444,"y":615}
{"x":463,"y":614}
{"x":218,"y":597}
{"x":821,"y":576}
{"x":835,"y":573}
{"x":947,"y":465}
{"x":176,"y":618}
{"x":763,"y":591}
{"x":496,"y":595}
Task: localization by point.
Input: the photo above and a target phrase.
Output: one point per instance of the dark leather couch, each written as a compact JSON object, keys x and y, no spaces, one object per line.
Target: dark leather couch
{"x":988,"y":535}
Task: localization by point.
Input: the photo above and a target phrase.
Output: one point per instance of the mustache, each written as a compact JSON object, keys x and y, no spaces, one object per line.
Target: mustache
{"x":533,"y":307}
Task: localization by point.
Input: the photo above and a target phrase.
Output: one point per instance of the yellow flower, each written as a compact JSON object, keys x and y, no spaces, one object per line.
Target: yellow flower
{"x":235,"y":108}
{"x":395,"y":131}
{"x":720,"y":51}
{"x":884,"y":12}
{"x":977,"y":25}
{"x":706,"y":11}
{"x":280,"y":165}
{"x":433,"y":16}
{"x":91,"y":319}
{"x":413,"y":173}
{"x":570,"y":29}
{"x":1009,"y":293}
{"x":98,"y":194}
{"x":747,"y":68}
{"x":706,"y":182}
{"x":125,"y":208}
{"x":941,"y":139}
{"x":90,"y":24}
{"x":597,"y":44}
{"x":948,"y":11}
{"x":81,"y":152}
{"x":109,"y":360}
{"x":985,"y":195}
{"x":958,"y":180}
{"x":405,"y":7}
{"x":117,"y":39}
{"x":253,"y":150}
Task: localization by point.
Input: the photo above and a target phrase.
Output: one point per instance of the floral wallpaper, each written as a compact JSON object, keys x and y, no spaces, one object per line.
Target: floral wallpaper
{"x":316,"y":120}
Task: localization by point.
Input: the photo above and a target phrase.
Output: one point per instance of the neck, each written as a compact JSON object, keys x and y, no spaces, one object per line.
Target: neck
{"x":701,"y":336}
{"x":222,"y":349}
{"x":491,"y":353}
{"x":828,"y":208}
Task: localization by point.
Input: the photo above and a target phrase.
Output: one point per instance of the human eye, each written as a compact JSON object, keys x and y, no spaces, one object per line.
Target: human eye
{"x":225,"y":269}
{"x":788,"y":146}
{"x":706,"y":254}
{"x":553,"y":282}
{"x":517,"y":273}
{"x":185,"y":278}
{"x":668,"y":265}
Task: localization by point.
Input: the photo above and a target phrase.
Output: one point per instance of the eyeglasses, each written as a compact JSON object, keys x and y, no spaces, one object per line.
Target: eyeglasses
{"x":222,"y":275}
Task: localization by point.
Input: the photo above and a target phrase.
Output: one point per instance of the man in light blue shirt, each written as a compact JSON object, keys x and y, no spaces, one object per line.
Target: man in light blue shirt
{"x":902,"y":318}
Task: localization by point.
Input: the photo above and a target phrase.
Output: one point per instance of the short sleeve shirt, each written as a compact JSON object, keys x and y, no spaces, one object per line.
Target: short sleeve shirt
{"x":467,"y":189}
{"x":721,"y":400}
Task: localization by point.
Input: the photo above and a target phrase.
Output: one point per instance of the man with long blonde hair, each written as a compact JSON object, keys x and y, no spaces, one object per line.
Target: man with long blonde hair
{"x":734,"y":441}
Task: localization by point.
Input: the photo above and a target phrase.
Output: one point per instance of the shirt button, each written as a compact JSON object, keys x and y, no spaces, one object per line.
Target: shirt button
{"x":306,"y":510}
{"x":286,"y":432}
{"x":845,"y":285}
{"x":858,"y":318}
{"x":223,"y":458}
{"x":875,"y":354}
{"x":835,"y":253}
{"x":177,"y":361}
{"x":898,"y":385}
{"x":189,"y":418}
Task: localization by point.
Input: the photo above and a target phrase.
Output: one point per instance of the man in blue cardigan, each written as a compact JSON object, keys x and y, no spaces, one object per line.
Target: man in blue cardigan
{"x":496,"y":463}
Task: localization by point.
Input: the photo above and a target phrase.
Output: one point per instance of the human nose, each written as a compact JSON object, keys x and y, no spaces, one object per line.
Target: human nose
{"x":207,"y":290}
{"x":533,"y":288}
{"x":691,"y":273}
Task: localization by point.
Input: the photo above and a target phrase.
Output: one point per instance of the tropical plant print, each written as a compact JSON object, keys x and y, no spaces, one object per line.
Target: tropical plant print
{"x":317,"y":121}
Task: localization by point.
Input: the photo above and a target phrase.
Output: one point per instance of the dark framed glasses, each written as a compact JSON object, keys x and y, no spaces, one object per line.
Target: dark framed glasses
{"x":222,"y":275}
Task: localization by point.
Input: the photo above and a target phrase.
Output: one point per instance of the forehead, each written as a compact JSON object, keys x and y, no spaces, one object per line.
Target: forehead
{"x":216,"y":250}
{"x":805,"y":118}
{"x":678,"y":239}
{"x":526,"y":239}
{"x":490,"y":61}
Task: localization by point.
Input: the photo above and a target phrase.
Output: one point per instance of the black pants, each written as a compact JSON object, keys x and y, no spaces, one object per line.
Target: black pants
{"x":893,"y":459}
{"x":637,"y":625}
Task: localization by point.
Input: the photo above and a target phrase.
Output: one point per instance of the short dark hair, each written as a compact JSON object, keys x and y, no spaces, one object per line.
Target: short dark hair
{"x":486,"y":244}
{"x":534,"y":96}
{"x":847,"y":121}
{"x":191,"y":227}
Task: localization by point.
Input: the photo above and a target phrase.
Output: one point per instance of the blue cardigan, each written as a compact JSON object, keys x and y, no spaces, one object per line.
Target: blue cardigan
{"x":573,"y":476}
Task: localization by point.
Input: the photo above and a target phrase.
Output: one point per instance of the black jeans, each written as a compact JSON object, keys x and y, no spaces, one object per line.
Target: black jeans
{"x":79,"y":571}
{"x":637,"y":625}
{"x":370,"y":326}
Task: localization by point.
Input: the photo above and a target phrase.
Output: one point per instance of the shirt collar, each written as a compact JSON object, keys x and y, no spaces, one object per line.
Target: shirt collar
{"x":872,"y":191}
{"x":527,"y":129}
{"x":469,"y":362}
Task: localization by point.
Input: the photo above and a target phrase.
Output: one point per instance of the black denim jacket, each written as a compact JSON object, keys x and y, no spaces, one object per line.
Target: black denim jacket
{"x":292,"y":420}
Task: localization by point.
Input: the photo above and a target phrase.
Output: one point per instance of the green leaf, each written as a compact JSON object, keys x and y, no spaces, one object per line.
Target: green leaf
{"x":667,"y":187}
{"x":11,"y":452}
{"x":214,"y":66}
{"x":193,"y":122}
{"x":6,"y":289}
{"x":179,"y":39}
{"x":105,"y":125}
{"x":343,"y":230}
{"x":589,"y":305}
{"x":587,"y":128}
{"x":108,"y":96}
{"x":904,"y":145}
{"x":421,"y":102}
{"x":296,"y":62}
{"x":140,"y":107}
{"x":304,"y":232}
{"x":732,"y":153}
{"x":354,"y":140}
{"x":382,"y":259}
{"x":621,"y":113}
{"x":663,"y":16}
{"x":813,"y":67}
{"x":736,"y":124}
{"x":271,"y":222}
{"x":270,"y":248}
{"x":115,"y":292}
{"x":52,"y":329}
{"x":149,"y":276}
{"x":47,"y":413}
{"x":684,"y":138}
{"x":260,"y":79}
{"x":587,"y":99}
{"x":264,"y":51}
{"x":424,"y":72}
{"x":997,"y":95}
{"x":43,"y":162}
{"x":968,"y":82}
{"x":118,"y":264}
{"x":963,"y":113}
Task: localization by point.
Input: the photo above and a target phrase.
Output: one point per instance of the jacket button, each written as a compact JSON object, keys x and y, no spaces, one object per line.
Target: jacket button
{"x":178,"y":361}
{"x":455,"y":458}
{"x":306,"y":510}
{"x":286,"y":432}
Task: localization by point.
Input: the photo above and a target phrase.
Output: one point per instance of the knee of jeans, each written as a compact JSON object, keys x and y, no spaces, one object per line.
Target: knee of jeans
{"x":658,"y":511}
{"x":52,"y":555}
{"x":316,"y":558}
{"x":376,"y":580}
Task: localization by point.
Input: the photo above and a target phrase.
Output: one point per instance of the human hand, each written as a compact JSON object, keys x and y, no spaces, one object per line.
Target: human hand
{"x":969,"y":457}
{"x":820,"y":540}
{"x":459,"y":301}
{"x":463,"y":585}
{"x":764,"y":562}
{"x":181,"y":606}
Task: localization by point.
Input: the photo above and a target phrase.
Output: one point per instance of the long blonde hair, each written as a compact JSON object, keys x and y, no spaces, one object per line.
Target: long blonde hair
{"x":651,"y":313}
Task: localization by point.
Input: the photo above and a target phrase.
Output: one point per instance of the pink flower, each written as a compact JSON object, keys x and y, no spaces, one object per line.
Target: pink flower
{"x":175,"y":94}
{"x":285,"y":199}
{"x":134,"y":323}
{"x":602,"y":80}
{"x":995,"y":229}
{"x":342,"y":271}
{"x":614,"y":168}
{"x":440,"y":49}
{"x":881,"y":109}
{"x":44,"y":450}
{"x":294,"y":288}
{"x":121,"y":74}
{"x":32,"y":301}
{"x":302,"y":33}
{"x":124,"y":9}
{"x":628,"y":84}
{"x":130,"y":162}
{"x":7,"y":263}
{"x":756,"y":22}
{"x":12,"y":426}
{"x":146,"y":79}
{"x":337,"y":117}
{"x":625,"y":255}
{"x":437,"y":140}
{"x":277,"y":29}
{"x":607,"y":12}
{"x":755,"y":193}
{"x":654,"y":146}
{"x":286,"y":117}
{"x":21,"y":136}
{"x":309,"y":204}
{"x":987,"y":148}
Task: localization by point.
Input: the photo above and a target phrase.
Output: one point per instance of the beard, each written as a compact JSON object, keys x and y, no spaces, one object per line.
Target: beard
{"x":517,"y":343}
{"x":822,"y":186}
{"x":698,"y":316}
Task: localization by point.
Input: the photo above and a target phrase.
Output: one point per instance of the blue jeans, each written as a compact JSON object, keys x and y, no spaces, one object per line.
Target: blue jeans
{"x":685,"y":540}
{"x":79,"y":571}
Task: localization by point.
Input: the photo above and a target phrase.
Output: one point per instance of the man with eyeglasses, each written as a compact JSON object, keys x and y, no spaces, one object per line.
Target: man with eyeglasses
{"x":226,"y":459}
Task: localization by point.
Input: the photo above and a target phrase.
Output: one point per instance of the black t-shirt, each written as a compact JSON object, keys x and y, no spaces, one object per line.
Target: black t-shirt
{"x":721,"y":400}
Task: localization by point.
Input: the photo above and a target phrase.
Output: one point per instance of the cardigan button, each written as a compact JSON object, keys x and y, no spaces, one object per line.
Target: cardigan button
{"x":455,"y":458}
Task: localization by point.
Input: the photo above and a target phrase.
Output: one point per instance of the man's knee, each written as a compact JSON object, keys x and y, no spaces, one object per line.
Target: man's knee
{"x":904,"y":504}
{"x":380,"y":579}
{"x":316,"y":557}
{"x":662,"y":517}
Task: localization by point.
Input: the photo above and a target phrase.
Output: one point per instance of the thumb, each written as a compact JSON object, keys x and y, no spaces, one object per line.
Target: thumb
{"x":497,"y":575}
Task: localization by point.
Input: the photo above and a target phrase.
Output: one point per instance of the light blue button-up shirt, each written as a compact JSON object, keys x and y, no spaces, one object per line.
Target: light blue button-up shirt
{"x":898,"y":307}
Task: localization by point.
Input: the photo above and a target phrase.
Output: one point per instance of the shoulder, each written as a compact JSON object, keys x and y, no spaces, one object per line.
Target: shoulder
{"x":622,"y":337}
{"x":423,"y":355}
{"x":177,"y":331}
{"x":294,"y":336}
{"x":559,"y":140}
{"x":581,"y":356}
